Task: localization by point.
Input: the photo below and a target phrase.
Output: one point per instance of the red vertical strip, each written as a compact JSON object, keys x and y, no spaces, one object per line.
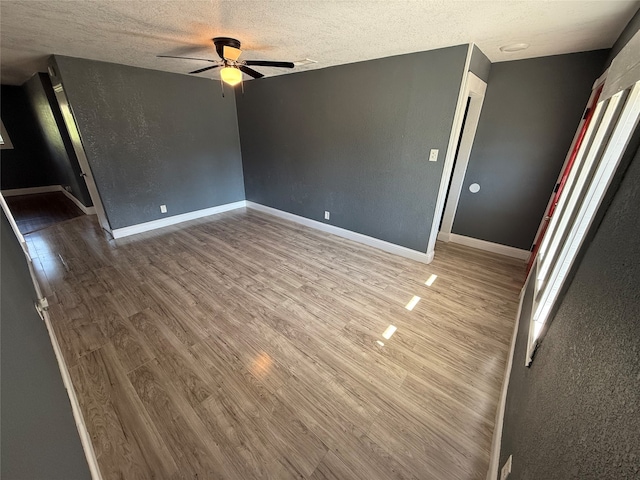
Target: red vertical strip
{"x":563,"y":179}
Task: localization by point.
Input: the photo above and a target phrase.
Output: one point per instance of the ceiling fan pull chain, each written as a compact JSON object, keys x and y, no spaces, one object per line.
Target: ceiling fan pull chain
{"x":222,"y":87}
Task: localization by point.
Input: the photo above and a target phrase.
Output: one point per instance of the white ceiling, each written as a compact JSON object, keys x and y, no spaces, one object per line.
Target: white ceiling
{"x":133,"y":32}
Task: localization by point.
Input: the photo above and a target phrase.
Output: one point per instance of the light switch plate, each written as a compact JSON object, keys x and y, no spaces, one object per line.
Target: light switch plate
{"x":433,"y":155}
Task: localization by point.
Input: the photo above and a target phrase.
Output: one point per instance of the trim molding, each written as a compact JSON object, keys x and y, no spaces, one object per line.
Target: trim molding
{"x":475,"y":91}
{"x":90,"y":454}
{"x":70,"y":196}
{"x":172,"y":220}
{"x":31,"y":190}
{"x":447,"y":168}
{"x":496,"y":442}
{"x":484,"y":245}
{"x":344,"y":233}
{"x":14,"y":227}
{"x":48,"y":189}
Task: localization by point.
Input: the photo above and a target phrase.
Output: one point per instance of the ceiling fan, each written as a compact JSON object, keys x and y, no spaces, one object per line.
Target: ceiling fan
{"x":229,"y":51}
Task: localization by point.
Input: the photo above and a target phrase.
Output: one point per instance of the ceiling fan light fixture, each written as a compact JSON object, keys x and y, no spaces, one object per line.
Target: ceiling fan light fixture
{"x":228,"y":49}
{"x":231,"y":75}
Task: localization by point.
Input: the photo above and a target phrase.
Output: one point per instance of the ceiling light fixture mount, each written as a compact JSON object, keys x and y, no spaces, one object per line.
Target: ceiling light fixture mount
{"x":514,"y":47}
{"x":305,"y":62}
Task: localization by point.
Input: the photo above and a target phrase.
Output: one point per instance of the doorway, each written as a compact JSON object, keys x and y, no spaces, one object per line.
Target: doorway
{"x":78,"y":148}
{"x":455,"y":160}
{"x":475,"y":93}
{"x":41,"y":180}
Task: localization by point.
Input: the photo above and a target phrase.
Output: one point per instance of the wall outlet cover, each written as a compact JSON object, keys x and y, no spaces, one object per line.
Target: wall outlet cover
{"x":327,"y":215}
{"x":433,"y":155}
{"x":506,"y":469}
{"x":163,"y":209}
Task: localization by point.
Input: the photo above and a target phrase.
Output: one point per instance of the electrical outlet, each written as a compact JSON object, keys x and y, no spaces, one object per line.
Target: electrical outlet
{"x":327,"y":215}
{"x":163,"y":209}
{"x":433,"y":155}
{"x":506,"y":469}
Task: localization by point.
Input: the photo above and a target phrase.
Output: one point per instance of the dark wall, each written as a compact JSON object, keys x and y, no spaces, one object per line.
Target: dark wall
{"x":480,"y":64}
{"x":26,"y":165}
{"x":39,"y":435}
{"x":529,"y":117}
{"x":575,"y":412}
{"x":60,"y":156}
{"x":154,"y":138}
{"x":354,"y":140}
{"x":627,"y":34}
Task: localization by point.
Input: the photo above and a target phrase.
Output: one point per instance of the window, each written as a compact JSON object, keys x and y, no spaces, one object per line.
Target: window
{"x":605,"y":141}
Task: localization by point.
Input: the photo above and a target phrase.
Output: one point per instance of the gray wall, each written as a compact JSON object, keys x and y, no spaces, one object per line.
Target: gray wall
{"x":60,"y":156}
{"x":26,"y":165}
{"x":480,"y":64}
{"x":529,"y":117}
{"x":154,"y":138}
{"x":39,"y":435}
{"x":354,"y":140}
{"x":574,"y":412}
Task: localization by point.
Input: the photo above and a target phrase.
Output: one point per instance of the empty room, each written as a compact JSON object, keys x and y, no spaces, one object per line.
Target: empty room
{"x":319,"y":240}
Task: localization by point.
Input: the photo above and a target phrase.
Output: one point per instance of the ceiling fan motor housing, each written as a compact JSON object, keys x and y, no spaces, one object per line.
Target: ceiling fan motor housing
{"x":221,"y":42}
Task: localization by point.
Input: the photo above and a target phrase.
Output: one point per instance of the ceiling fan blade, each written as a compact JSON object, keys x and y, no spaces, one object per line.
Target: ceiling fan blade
{"x":188,"y":58}
{"x":231,"y":53}
{"x":268,"y":63}
{"x":250,"y":71}
{"x":204,"y":69}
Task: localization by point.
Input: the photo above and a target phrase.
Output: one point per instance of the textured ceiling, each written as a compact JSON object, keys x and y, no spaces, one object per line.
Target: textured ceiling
{"x":332,"y":32}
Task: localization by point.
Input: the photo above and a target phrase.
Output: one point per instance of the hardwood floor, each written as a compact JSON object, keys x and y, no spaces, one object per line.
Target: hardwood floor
{"x":243,"y":346}
{"x":41,"y":210}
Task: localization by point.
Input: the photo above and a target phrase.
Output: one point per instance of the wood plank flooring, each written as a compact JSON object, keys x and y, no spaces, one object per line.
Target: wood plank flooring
{"x":242,"y":346}
{"x":37,"y":211}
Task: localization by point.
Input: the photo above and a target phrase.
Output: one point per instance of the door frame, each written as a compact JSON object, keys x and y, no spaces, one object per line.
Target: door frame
{"x":78,"y":148}
{"x":445,"y":179}
{"x":475,"y":89}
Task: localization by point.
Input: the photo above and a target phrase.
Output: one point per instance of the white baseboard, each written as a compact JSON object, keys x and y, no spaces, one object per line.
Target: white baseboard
{"x":341,"y":232}
{"x":496,"y":442}
{"x":81,"y":426}
{"x":165,"y":222}
{"x":86,"y":210}
{"x":484,"y":245}
{"x":48,"y":189}
{"x":30,"y":190}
